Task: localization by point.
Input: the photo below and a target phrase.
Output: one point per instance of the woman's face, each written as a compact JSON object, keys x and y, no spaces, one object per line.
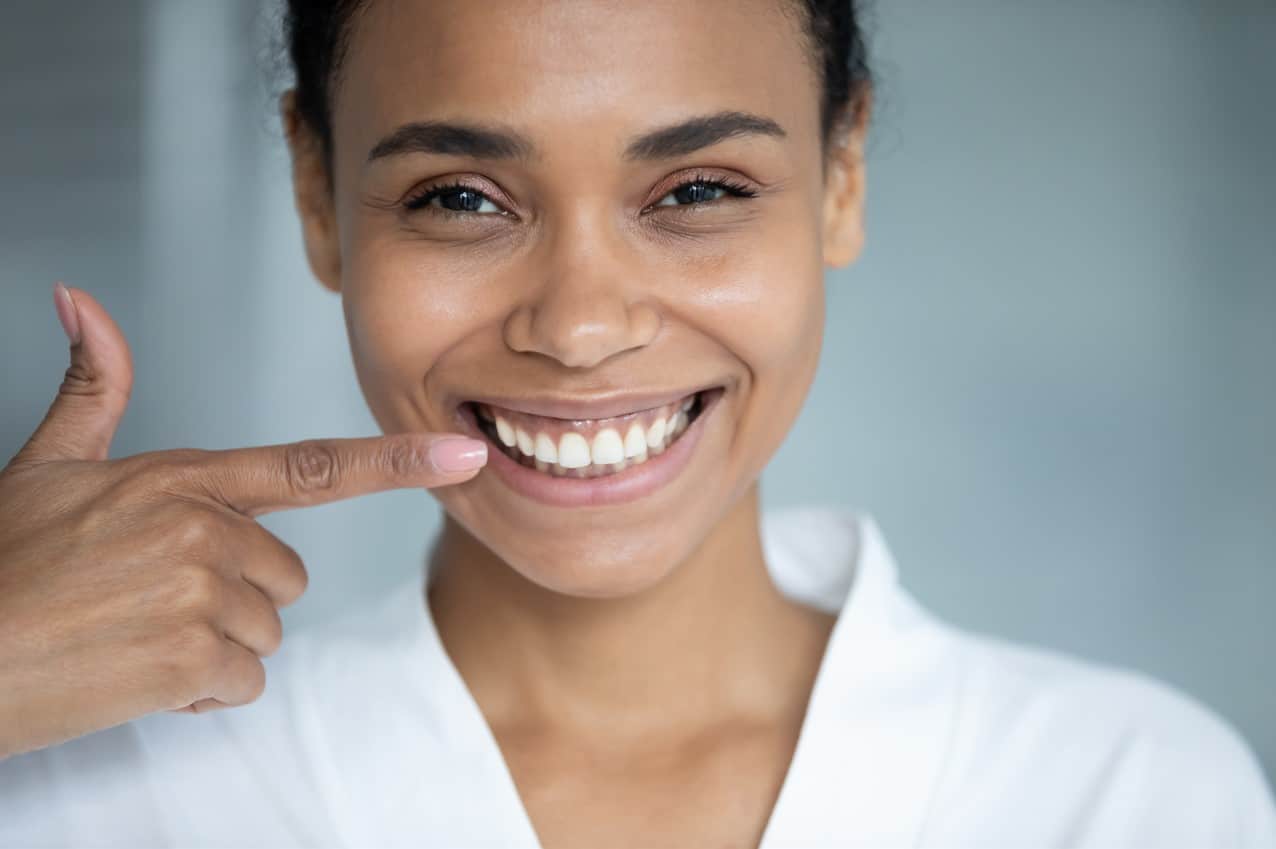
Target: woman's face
{"x":532,"y":245}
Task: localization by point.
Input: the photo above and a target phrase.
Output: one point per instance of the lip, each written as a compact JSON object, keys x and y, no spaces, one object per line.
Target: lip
{"x":581,"y":409}
{"x":629,"y":485}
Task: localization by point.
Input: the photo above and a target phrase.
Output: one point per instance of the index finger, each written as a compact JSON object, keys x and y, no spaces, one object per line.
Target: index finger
{"x":267,"y":478}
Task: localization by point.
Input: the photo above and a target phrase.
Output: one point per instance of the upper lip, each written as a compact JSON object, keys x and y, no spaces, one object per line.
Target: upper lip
{"x":576,"y":408}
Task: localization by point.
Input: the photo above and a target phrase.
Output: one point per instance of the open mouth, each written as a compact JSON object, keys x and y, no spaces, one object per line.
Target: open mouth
{"x":588,"y":448}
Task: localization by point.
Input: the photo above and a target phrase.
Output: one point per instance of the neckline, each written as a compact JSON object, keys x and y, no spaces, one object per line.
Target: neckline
{"x":845,"y":568}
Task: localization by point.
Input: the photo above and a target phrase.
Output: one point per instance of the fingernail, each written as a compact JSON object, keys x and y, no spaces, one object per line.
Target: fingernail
{"x":67,"y":314}
{"x":458,"y":454}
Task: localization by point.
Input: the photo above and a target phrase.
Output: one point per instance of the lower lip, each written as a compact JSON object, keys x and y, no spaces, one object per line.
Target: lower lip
{"x":629,"y":485}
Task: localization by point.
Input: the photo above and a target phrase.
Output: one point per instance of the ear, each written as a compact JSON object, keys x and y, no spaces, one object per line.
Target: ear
{"x":313,"y":194}
{"x":844,"y":186}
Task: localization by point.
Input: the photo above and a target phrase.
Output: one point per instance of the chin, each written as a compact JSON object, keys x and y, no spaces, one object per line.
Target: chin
{"x":600,"y":564}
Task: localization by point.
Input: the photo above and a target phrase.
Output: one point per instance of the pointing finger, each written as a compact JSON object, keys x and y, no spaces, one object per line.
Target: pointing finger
{"x":263,"y":479}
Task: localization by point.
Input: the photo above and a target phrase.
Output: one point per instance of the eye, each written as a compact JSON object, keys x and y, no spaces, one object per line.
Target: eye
{"x":700,"y":190}
{"x":456,"y":200}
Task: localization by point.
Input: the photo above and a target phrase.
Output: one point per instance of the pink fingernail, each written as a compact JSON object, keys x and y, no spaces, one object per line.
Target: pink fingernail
{"x":67,"y":313}
{"x":458,"y":454}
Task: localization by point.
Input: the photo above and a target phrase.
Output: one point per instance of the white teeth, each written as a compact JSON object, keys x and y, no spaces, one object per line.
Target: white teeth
{"x":573,"y":450}
{"x":505,"y":432}
{"x":525,"y":443}
{"x":607,"y":452}
{"x":607,"y":447}
{"x":546,"y":451}
{"x":635,"y":441}
{"x":656,"y":433}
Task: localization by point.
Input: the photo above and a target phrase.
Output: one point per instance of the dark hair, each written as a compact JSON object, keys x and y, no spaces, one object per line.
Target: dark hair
{"x":317,"y":33}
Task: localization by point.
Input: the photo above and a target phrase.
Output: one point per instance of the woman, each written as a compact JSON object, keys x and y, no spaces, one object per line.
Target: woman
{"x":580,"y":251}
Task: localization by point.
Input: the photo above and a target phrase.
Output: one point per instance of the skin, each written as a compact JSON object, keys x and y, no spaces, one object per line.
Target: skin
{"x":133,"y":585}
{"x":614,"y":650}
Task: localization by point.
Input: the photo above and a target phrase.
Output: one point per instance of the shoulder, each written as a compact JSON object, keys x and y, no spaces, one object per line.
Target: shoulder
{"x":1116,"y":753}
{"x":1020,"y":685}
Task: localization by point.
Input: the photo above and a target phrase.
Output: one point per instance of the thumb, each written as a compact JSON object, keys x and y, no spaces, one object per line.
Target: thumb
{"x":95,"y":389}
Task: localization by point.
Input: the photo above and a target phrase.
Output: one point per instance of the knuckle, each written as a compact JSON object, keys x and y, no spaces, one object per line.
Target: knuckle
{"x":311,"y":466}
{"x":163,"y":469}
{"x":200,"y":532}
{"x":401,"y":457}
{"x":135,"y":481}
{"x":79,"y":379}
{"x":180,"y":458}
{"x":157,"y":477}
{"x":128,"y":481}
{"x":199,"y":592}
{"x":181,"y":464}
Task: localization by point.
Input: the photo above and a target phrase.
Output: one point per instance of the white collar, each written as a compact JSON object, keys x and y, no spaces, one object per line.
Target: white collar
{"x":862,"y":774}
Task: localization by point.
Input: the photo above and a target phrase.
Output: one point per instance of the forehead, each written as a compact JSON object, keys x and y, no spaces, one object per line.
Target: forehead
{"x":588,"y":70}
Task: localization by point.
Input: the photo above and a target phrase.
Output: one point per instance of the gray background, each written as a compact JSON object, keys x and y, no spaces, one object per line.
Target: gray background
{"x":1049,"y":377}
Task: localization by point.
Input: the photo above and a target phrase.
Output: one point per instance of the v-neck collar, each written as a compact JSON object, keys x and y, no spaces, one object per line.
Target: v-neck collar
{"x":865,"y":763}
{"x":872,"y":745}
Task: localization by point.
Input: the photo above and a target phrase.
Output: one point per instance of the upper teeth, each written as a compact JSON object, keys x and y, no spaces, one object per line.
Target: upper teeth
{"x":606,"y":447}
{"x":546,"y":450}
{"x":506,"y":432}
{"x":635,"y":441}
{"x":656,"y":433}
{"x":573,"y":451}
{"x":579,"y":449}
{"x":525,"y":442}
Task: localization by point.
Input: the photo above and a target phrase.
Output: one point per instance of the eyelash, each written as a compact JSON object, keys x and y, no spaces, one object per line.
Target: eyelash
{"x":420,"y":200}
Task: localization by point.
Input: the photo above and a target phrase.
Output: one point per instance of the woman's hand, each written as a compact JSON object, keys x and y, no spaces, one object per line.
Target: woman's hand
{"x":141,"y":584}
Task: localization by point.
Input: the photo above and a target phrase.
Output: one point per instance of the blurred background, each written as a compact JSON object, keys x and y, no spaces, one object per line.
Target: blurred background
{"x":1051,"y":377}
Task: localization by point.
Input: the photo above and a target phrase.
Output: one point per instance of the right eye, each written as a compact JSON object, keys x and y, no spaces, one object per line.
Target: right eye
{"x":456,"y":200}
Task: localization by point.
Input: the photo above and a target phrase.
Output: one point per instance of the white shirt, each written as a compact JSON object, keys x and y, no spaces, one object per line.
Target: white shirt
{"x":916,"y":734}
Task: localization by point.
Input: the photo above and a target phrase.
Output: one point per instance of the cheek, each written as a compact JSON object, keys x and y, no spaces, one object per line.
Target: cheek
{"x":403,"y":311}
{"x":770,"y":316}
{"x":766,"y":302}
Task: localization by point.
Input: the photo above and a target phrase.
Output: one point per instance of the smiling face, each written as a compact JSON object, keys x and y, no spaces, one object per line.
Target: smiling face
{"x":571,"y":226}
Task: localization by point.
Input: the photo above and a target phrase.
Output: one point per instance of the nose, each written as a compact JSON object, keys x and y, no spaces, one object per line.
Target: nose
{"x":586,"y":307}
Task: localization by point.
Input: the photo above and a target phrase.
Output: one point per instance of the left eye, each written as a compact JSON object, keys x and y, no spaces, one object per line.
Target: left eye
{"x":699,"y":191}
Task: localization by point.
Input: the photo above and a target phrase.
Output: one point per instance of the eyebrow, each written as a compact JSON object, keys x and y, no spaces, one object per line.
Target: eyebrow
{"x":485,"y":141}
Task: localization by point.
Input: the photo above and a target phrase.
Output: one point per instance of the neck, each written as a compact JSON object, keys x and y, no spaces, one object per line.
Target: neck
{"x":713,"y":638}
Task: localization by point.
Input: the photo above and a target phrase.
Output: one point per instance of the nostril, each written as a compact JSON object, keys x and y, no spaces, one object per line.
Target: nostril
{"x":581,"y":329}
